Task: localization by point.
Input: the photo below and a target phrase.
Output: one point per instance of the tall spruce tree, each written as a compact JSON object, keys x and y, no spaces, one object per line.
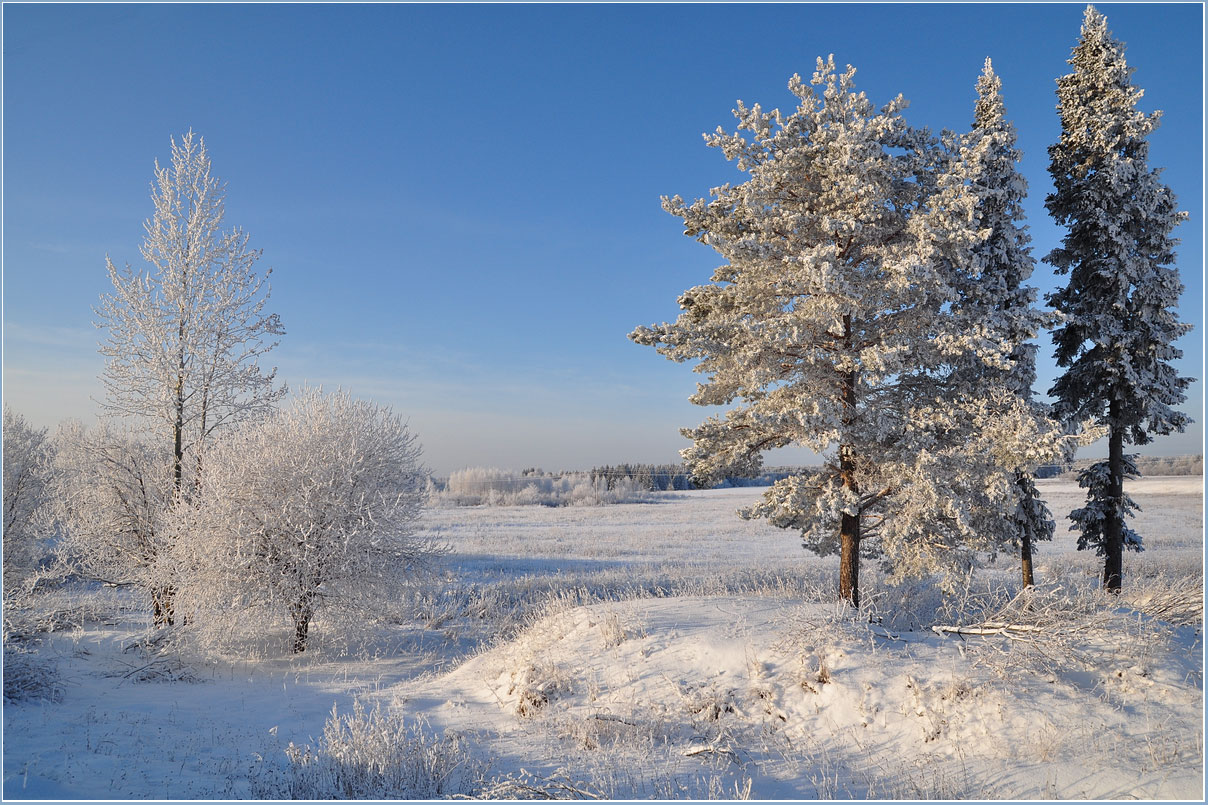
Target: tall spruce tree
{"x":1116,"y":342}
{"x":831,"y":322}
{"x":992,"y":289}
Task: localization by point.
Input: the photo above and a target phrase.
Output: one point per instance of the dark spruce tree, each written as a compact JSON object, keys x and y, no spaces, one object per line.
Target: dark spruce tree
{"x":993,"y":290}
{"x":1116,"y":342}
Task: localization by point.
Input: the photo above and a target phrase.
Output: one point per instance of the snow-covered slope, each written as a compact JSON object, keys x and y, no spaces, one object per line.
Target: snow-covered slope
{"x":809,"y":702}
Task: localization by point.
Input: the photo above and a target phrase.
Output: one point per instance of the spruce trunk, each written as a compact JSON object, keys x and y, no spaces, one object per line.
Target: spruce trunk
{"x":1113,"y":547}
{"x":1025,"y":553}
{"x":1024,"y":486}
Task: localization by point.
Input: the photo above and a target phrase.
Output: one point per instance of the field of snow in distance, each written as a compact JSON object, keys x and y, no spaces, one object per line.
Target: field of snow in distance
{"x":672,"y":649}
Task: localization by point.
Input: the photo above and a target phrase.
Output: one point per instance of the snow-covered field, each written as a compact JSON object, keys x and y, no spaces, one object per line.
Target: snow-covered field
{"x":666,"y":650}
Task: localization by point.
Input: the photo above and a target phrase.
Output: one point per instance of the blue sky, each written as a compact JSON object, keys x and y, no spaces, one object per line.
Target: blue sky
{"x":461,"y":203}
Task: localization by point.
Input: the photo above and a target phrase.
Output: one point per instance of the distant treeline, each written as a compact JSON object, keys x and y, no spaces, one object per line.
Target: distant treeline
{"x":634,"y":483}
{"x":674,"y":477}
{"x":1148,"y":466}
{"x":650,"y":477}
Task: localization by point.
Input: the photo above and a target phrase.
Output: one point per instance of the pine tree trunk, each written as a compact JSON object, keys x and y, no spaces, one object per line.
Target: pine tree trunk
{"x":849,"y":526}
{"x":849,"y":559}
{"x":849,"y":535}
{"x":1113,"y":536}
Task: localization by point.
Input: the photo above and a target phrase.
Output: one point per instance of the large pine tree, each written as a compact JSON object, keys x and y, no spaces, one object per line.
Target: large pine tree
{"x":830,"y":324}
{"x":1116,"y":342}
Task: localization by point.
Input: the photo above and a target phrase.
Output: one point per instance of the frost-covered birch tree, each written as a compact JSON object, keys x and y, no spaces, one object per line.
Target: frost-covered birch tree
{"x":831,"y":323}
{"x":309,"y":511}
{"x":183,"y":341}
{"x":1116,"y":342}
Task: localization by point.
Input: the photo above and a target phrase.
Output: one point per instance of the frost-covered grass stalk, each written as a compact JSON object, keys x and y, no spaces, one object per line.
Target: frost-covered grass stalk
{"x":373,"y":755}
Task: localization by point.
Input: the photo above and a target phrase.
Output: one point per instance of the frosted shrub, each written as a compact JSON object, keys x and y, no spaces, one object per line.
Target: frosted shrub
{"x":535,"y":684}
{"x":111,"y":490}
{"x":309,"y":512}
{"x":28,"y":677}
{"x":374,"y":755}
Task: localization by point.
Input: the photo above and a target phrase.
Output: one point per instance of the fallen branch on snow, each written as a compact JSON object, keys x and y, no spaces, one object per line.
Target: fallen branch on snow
{"x":992,"y":628}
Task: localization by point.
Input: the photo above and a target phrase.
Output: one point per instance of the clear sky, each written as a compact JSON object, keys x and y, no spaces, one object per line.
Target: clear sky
{"x":460,"y":204}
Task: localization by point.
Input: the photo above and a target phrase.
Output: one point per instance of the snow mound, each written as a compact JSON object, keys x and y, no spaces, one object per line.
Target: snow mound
{"x":807,"y":701}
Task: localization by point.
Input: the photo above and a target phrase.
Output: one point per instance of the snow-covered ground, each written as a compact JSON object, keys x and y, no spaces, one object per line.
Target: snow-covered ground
{"x":674,"y":650}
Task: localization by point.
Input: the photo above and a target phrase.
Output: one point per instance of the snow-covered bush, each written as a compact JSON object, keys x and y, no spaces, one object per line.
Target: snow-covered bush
{"x":374,"y":755}
{"x":110,"y":496}
{"x":488,"y":486}
{"x":27,"y":457}
{"x":307,"y":512}
{"x":28,"y":676}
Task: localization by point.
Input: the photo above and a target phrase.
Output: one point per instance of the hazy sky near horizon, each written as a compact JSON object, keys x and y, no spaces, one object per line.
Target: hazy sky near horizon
{"x":460,"y":204}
